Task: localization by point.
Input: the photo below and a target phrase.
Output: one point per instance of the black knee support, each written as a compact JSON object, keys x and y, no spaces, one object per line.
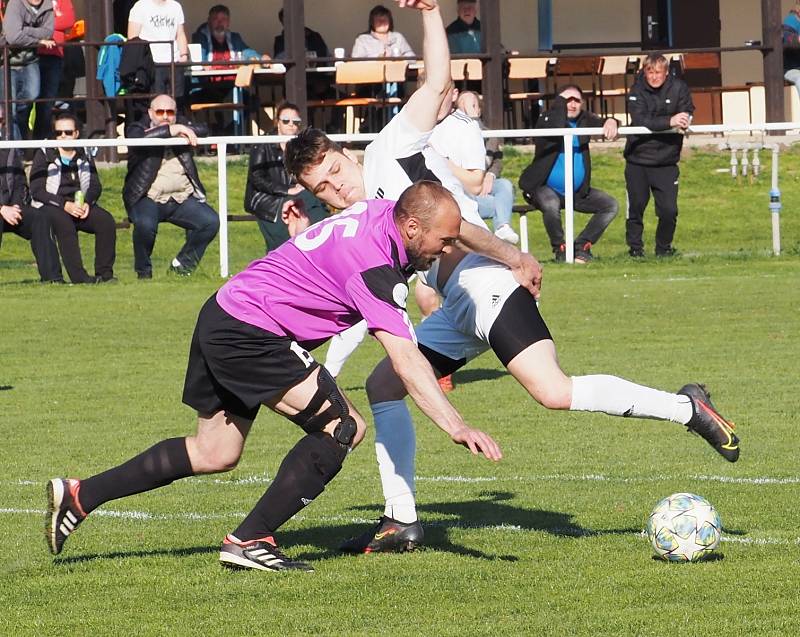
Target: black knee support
{"x":312,"y":422}
{"x":311,"y":464}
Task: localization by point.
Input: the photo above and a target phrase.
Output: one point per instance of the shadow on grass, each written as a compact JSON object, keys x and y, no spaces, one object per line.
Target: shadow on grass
{"x":6,"y":387}
{"x":115,"y":555}
{"x":491,"y":510}
{"x":21,"y":282}
{"x":711,"y":557}
{"x":473,"y":375}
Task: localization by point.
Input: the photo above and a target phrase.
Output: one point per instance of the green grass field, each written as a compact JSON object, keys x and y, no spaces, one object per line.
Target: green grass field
{"x":546,"y":542}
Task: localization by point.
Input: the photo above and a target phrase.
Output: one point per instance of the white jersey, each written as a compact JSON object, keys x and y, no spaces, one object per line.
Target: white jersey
{"x":401,"y":156}
{"x":458,"y":138}
{"x":160,"y":21}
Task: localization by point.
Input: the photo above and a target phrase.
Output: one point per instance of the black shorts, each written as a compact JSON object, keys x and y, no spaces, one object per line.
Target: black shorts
{"x":518,"y":326}
{"x":235,"y":367}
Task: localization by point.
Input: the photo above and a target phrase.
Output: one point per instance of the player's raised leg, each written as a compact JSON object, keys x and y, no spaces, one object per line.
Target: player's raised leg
{"x":522,"y":342}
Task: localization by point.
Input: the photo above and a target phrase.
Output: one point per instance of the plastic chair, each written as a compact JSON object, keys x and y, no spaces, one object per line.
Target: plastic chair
{"x":611,"y":67}
{"x":527,"y":69}
{"x":241,"y":82}
{"x":362,"y":73}
{"x":580,"y":67}
{"x":466,"y":70}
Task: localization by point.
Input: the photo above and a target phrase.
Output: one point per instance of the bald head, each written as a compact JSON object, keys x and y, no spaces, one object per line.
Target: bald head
{"x":163,"y":109}
{"x":429,"y":221}
{"x":426,"y":200}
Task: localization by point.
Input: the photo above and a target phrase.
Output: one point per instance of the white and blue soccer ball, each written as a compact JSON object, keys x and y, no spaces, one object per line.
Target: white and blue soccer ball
{"x":684,"y":527}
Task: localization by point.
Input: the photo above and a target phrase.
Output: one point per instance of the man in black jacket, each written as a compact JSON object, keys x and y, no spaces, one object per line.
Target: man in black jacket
{"x":270,"y":187}
{"x":162,"y":184}
{"x":542,"y":182}
{"x":18,"y":217}
{"x":658,"y":101}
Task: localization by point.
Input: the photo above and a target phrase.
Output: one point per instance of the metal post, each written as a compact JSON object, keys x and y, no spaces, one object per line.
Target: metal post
{"x":7,"y":108}
{"x":222,"y":177}
{"x":523,"y":231}
{"x":775,"y":203}
{"x":569,"y":199}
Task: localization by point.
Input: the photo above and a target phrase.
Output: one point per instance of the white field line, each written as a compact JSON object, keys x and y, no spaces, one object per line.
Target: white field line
{"x":551,"y":477}
{"x":143,"y":516}
{"x":689,"y":279}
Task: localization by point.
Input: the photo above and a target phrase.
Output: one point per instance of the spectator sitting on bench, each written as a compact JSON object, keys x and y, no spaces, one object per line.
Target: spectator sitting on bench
{"x":543,"y":182}
{"x":162,"y":184}
{"x":66,"y":187}
{"x":496,"y":196}
{"x":269,"y":187}
{"x":18,"y":217}
{"x":457,"y":138}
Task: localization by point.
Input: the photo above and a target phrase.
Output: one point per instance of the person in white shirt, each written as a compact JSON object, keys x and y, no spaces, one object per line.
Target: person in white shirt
{"x":458,"y":138}
{"x":154,"y":20}
{"x":381,"y":40}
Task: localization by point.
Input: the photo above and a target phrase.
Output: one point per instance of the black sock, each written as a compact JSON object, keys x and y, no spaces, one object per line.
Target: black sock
{"x":307,"y":468}
{"x":160,"y":465}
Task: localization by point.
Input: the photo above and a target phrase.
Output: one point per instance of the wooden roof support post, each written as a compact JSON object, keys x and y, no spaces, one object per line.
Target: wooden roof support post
{"x":773,"y":59}
{"x":294,"y":26}
{"x":493,"y":67}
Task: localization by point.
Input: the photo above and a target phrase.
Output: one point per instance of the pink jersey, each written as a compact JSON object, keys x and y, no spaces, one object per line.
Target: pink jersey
{"x":340,"y":270}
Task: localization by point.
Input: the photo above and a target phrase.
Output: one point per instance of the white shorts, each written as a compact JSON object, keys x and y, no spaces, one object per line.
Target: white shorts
{"x":473,"y":297}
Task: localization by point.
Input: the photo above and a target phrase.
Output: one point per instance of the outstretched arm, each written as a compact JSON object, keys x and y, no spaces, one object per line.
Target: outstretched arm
{"x":423,"y":106}
{"x":417,"y":375}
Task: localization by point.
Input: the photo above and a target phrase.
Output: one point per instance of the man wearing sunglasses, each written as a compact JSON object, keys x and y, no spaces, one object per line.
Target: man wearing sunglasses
{"x":162,"y":184}
{"x":270,"y":187}
{"x":543,"y":182}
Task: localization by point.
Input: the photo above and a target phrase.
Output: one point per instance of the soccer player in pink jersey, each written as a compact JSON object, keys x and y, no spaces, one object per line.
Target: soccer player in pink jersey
{"x":250,"y":348}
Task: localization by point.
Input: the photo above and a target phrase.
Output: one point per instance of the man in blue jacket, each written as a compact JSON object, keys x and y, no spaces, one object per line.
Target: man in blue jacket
{"x":219,"y":43}
{"x":543,"y":182}
{"x":660,"y":102}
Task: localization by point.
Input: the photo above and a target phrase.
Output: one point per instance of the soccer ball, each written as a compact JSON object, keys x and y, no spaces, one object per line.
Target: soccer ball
{"x":684,"y":528}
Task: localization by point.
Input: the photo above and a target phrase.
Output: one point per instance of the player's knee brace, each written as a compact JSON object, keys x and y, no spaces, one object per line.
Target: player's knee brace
{"x":311,"y":464}
{"x":311,"y":421}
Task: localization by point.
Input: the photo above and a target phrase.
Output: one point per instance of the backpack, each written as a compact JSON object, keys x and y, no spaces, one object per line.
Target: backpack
{"x":136,"y":69}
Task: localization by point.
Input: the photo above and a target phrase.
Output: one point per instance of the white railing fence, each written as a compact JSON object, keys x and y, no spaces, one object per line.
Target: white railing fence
{"x":568,"y":134}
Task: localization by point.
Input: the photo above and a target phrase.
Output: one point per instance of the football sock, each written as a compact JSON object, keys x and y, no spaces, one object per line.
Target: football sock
{"x":395,"y":446}
{"x":307,"y":468}
{"x":342,"y":345}
{"x":619,"y":397}
{"x":160,"y":465}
